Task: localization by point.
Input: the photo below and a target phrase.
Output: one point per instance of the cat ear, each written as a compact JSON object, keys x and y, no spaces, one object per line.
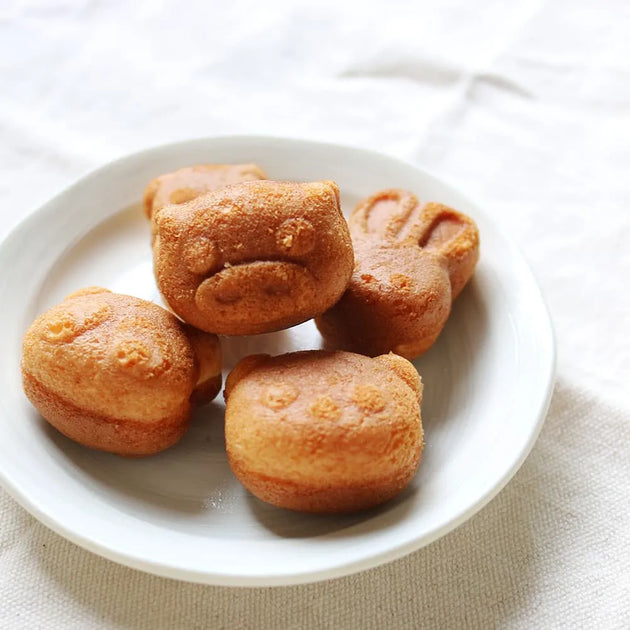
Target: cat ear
{"x":453,"y":237}
{"x":241,"y":370}
{"x":405,"y":370}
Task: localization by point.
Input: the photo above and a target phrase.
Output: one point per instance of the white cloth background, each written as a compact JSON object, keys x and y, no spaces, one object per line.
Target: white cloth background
{"x":525,"y":106}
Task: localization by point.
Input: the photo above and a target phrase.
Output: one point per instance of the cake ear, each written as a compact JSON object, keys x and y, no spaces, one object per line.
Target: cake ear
{"x":169,"y":220}
{"x":207,"y":349}
{"x":404,"y":370}
{"x":321,"y":189}
{"x":241,"y":370}
{"x":149,"y":196}
{"x":452,"y":236}
{"x":86,"y":291}
{"x":390,"y":215}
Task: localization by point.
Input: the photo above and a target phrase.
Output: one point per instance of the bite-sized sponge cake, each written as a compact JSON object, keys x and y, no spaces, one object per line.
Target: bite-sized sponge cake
{"x":411,"y":261}
{"x":253,"y":257}
{"x":320,"y":431}
{"x":117,"y":373}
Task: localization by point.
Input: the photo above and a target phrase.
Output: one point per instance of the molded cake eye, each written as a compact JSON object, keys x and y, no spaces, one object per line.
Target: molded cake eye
{"x":201,"y":255}
{"x":368,"y":398}
{"x":296,"y":237}
{"x":61,"y":328}
{"x":324,"y":408}
{"x":279,"y":396}
{"x":131,"y":352}
{"x":66,"y":326}
{"x":401,"y":281}
{"x":140,"y":359}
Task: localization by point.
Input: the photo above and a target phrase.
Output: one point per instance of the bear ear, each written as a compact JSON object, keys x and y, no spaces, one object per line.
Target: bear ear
{"x":241,"y":370}
{"x":404,"y":370}
{"x":452,"y":236}
{"x":388,"y":214}
{"x":323,"y":188}
{"x":170,"y":220}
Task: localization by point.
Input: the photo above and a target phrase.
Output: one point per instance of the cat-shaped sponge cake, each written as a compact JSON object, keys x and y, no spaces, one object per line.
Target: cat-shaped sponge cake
{"x":117,"y":373}
{"x":320,"y":431}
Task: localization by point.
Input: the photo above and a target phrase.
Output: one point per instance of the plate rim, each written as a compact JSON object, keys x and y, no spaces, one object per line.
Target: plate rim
{"x":395,"y":551}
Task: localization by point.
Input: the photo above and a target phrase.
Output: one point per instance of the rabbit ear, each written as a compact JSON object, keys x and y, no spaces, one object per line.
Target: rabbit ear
{"x":389,"y":214}
{"x":396,"y":216}
{"x":453,"y":237}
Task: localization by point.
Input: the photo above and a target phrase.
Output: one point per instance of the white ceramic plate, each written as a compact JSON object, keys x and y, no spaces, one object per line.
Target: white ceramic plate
{"x":182,"y":514}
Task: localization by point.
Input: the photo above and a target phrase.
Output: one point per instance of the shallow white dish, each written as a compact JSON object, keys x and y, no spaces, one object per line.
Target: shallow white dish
{"x":182,"y":514}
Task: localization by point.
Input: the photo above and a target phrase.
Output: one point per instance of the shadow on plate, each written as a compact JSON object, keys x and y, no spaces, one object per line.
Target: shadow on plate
{"x":235,"y":348}
{"x":448,"y":367}
{"x":191,"y":477}
{"x":288,"y":524}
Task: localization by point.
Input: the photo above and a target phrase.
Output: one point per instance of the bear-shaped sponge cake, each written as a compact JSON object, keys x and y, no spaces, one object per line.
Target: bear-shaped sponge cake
{"x":117,"y":373}
{"x":320,"y":431}
{"x":411,"y":262}
{"x":253,"y":257}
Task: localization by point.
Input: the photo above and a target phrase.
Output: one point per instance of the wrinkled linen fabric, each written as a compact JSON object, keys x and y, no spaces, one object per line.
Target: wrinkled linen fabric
{"x":525,"y":107}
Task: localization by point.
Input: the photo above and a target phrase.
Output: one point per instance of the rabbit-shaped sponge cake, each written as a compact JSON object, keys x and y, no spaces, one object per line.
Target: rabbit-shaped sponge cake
{"x":320,"y":431}
{"x":411,"y":262}
{"x":253,"y":257}
{"x":117,"y":373}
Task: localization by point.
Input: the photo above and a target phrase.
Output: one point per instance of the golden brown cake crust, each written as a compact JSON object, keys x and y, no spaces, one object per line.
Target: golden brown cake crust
{"x":189,"y":182}
{"x":103,"y":367}
{"x":208,"y":357}
{"x":324,"y":431}
{"x":121,"y":436}
{"x":411,"y":262}
{"x":253,"y":257}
